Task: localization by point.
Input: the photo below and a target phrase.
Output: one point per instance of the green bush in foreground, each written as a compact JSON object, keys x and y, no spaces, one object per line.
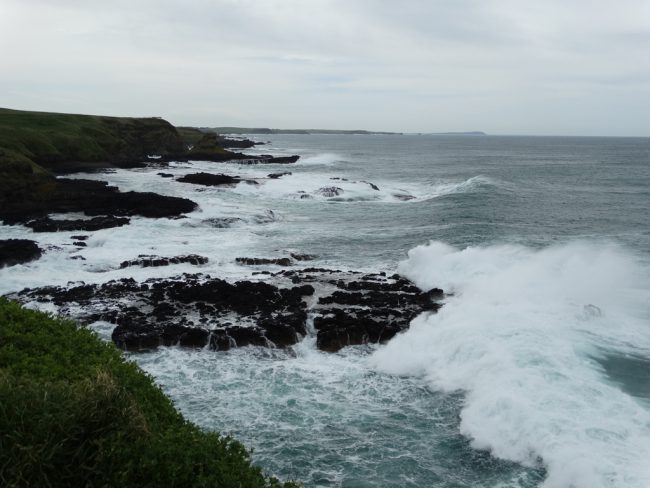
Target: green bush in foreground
{"x":73,"y":412}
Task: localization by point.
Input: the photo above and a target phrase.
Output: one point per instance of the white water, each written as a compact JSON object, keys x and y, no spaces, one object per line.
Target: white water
{"x":519,"y":337}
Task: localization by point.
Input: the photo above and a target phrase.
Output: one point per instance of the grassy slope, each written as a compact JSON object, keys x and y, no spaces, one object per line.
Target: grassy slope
{"x":34,"y":143}
{"x":73,"y":412}
{"x":48,"y":139}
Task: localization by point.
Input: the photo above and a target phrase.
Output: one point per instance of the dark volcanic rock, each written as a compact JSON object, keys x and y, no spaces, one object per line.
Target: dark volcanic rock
{"x":302,"y":257}
{"x":236,"y":143}
{"x":91,"y":197}
{"x":165,"y":175}
{"x":275,"y":176}
{"x":209,"y":179}
{"x":280,"y":159}
{"x":47,"y":224}
{"x":18,"y":251}
{"x":266,"y":159}
{"x":155,"y":261}
{"x":261,"y":261}
{"x":197,"y":311}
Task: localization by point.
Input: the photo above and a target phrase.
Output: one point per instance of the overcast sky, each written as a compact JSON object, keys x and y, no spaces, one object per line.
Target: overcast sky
{"x":501,"y":66}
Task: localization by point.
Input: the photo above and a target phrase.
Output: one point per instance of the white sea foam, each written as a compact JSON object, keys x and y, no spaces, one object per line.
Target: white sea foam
{"x":325,"y":159}
{"x":518,"y":337}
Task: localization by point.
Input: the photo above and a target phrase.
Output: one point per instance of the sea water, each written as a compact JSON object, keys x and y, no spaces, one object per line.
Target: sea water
{"x":536,"y":372}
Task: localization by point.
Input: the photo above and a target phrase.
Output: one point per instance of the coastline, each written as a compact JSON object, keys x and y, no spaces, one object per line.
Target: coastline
{"x":271,"y":309}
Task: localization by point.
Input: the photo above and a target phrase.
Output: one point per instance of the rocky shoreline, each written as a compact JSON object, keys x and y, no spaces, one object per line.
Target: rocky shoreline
{"x":271,"y":309}
{"x":341,"y":308}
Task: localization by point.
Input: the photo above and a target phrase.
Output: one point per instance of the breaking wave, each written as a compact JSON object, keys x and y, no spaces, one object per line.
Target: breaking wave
{"x":520,"y":337}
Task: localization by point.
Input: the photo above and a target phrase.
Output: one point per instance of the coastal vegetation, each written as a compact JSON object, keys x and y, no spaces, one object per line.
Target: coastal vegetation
{"x":74,"y":412}
{"x":50,"y":140}
{"x":34,"y":146}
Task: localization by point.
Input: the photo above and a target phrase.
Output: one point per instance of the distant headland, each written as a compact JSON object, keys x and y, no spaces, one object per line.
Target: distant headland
{"x":469,"y":133}
{"x":264,"y":130}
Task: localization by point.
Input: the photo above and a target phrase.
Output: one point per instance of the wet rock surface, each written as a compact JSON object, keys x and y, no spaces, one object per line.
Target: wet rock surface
{"x":18,"y":251}
{"x":196,"y":310}
{"x":209,"y":179}
{"x":264,"y":261}
{"x":94,"y":198}
{"x":329,"y":191}
{"x":47,"y":224}
{"x":156,"y":261}
{"x":275,"y":176}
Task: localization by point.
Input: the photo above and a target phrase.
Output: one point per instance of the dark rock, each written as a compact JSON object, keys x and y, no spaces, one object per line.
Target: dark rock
{"x":91,"y":197}
{"x":165,"y":175}
{"x":281,"y":159}
{"x":274,"y":176}
{"x":79,"y":238}
{"x":18,"y":251}
{"x":372,"y":185}
{"x":362,"y":309}
{"x":47,"y":224}
{"x":80,"y":244}
{"x":405,"y":197}
{"x":155,"y":261}
{"x":262,"y":261}
{"x":284,"y":330}
{"x":246,"y":336}
{"x":235,"y":143}
{"x":220,"y":341}
{"x":134,"y":336}
{"x":221,"y":222}
{"x":193,"y":337}
{"x":330,"y":191}
{"x":209,"y":179}
{"x":302,"y":257}
{"x":264,"y":159}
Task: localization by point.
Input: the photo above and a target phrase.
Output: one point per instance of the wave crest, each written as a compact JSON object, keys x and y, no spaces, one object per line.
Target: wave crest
{"x":514,"y":338}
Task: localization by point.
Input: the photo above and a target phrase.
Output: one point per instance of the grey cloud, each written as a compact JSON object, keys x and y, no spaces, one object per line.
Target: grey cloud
{"x":420,"y":65}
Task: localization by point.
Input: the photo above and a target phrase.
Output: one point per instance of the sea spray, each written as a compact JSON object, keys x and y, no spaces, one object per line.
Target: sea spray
{"x":518,"y":337}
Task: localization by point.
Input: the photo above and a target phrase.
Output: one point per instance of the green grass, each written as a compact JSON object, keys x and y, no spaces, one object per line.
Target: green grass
{"x":73,"y":412}
{"x":190,"y":135}
{"x":206,"y":146}
{"x":47,"y":139}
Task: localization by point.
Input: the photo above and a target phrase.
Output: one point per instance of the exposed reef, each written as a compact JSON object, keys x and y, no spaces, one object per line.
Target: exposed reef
{"x":18,"y":251}
{"x":91,"y":197}
{"x":209,"y":179}
{"x":46,"y":224}
{"x":194,"y":310}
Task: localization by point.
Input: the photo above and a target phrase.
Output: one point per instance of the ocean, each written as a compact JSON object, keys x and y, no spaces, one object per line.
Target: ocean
{"x":536,"y":371}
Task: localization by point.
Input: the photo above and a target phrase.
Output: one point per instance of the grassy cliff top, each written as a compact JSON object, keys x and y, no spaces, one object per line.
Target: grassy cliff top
{"x":32,"y":140}
{"x":73,"y":412}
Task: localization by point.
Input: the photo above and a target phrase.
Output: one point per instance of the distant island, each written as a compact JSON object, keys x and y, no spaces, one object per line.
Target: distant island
{"x":264,"y":130}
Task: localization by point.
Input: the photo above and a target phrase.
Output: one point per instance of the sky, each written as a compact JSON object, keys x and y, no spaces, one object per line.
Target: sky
{"x":550,"y":67}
